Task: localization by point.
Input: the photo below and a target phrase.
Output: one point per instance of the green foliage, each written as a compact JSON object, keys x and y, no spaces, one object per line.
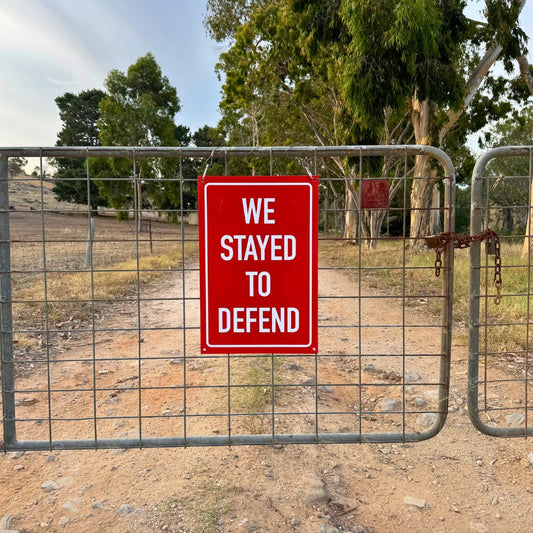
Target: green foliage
{"x":503,"y":30}
{"x":139,"y":107}
{"x":414,"y":48}
{"x":79,"y":114}
{"x":139,"y":110}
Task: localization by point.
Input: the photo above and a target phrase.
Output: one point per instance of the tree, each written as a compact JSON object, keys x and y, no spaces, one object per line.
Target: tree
{"x":79,"y":114}
{"x":16,"y":165}
{"x":509,"y":188}
{"x":139,"y":110}
{"x":358,"y":71}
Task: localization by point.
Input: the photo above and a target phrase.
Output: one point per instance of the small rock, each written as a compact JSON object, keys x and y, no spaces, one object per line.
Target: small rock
{"x":327,"y":528}
{"x":50,"y":486}
{"x":28,"y":401}
{"x":315,"y":491}
{"x":516,"y":419}
{"x":426,"y":420}
{"x":389,"y":404}
{"x":97,"y":505}
{"x":419,"y":401}
{"x":357,"y":529}
{"x":412,"y":377}
{"x":432,"y":395}
{"x":295,"y":522}
{"x":370,"y":368}
{"x":409,"y":390}
{"x":18,"y":467}
{"x":5,"y":521}
{"x":530,"y":458}
{"x":63,"y":521}
{"x":415,"y":502}
{"x":125,"y":509}
{"x":293,"y":366}
{"x":16,"y":455}
{"x":44,"y":525}
{"x":309,"y":381}
{"x":326,"y":388}
{"x":71,"y":505}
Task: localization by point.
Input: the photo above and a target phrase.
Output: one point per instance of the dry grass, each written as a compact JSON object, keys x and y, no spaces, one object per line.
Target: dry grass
{"x":71,"y":294}
{"x":508,"y":327}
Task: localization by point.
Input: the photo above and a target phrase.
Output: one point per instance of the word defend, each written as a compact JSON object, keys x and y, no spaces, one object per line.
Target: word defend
{"x":258,"y":264}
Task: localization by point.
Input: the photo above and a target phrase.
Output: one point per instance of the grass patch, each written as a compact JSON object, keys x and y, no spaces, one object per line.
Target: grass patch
{"x":211,"y":500}
{"x":70,"y":294}
{"x":507,"y":321}
{"x":254,"y":391}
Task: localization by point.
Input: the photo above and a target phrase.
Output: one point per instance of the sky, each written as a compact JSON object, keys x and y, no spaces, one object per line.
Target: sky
{"x":50,"y":47}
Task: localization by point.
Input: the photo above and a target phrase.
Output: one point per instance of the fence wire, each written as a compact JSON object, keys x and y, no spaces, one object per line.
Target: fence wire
{"x":100,"y":307}
{"x":500,"y":363}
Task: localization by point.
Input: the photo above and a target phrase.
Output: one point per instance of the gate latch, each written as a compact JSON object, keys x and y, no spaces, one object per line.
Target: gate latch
{"x":440,"y":241}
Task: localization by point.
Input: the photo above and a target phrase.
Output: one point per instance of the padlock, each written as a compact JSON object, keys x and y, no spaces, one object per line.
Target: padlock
{"x":432,"y":241}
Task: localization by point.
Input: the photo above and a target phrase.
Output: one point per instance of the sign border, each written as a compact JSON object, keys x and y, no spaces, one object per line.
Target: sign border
{"x":208,"y":182}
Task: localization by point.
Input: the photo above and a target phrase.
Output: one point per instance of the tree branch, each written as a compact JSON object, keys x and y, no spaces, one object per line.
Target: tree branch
{"x":525,"y":72}
{"x":473,"y":84}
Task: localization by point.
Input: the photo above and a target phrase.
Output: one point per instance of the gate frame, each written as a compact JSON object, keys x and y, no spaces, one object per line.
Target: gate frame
{"x":6,"y":334}
{"x":476,"y":222}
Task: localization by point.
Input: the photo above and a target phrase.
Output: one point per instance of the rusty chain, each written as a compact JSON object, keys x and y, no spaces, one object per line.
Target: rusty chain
{"x":440,"y":241}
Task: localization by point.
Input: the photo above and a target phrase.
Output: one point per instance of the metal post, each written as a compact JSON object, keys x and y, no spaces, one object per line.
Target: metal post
{"x":6,"y":317}
{"x":89,"y":254}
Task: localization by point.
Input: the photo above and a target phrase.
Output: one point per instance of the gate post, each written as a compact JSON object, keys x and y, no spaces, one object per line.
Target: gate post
{"x":6,"y":319}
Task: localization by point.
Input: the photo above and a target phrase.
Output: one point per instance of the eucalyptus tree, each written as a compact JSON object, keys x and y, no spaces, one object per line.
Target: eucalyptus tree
{"x":138,"y":110}
{"x":79,"y":114}
{"x":359,"y":71}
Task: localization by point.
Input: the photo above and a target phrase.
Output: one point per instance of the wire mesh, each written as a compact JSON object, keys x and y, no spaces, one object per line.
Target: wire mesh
{"x":500,"y":364}
{"x":100,"y":308}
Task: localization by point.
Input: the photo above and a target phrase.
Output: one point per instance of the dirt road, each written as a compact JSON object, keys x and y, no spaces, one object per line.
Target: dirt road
{"x":458,"y":481}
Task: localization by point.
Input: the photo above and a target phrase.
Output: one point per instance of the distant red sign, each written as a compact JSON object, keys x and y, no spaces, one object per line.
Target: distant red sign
{"x":258,"y":264}
{"x":374,"y":194}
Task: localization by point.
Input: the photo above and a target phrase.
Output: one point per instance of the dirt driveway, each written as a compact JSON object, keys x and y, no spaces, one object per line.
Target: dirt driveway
{"x":458,"y":481}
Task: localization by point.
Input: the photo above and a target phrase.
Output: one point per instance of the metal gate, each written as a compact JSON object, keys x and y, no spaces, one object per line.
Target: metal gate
{"x":99,"y":316}
{"x":500,"y":364}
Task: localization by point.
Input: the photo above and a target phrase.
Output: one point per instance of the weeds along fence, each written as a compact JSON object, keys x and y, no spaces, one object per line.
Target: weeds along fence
{"x":100,"y":316}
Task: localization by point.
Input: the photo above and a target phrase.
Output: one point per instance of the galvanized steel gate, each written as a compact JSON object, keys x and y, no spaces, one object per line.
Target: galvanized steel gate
{"x":99,"y":317}
{"x":500,"y":392}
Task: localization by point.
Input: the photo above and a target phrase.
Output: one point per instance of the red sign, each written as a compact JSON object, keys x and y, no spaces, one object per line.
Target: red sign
{"x":374,"y":194}
{"x":258,"y":264}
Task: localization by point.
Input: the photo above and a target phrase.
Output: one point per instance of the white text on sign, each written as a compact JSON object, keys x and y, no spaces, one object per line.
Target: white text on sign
{"x":258,"y":248}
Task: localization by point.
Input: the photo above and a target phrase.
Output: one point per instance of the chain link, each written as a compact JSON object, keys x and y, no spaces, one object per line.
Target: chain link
{"x":440,"y":241}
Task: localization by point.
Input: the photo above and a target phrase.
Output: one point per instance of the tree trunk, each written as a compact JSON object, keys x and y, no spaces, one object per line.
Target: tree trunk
{"x":375,"y":221}
{"x":350,"y":213}
{"x":422,"y":189}
{"x":528,"y":240}
{"x":508,"y":221}
{"x":435,"y":223}
{"x":528,"y":78}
